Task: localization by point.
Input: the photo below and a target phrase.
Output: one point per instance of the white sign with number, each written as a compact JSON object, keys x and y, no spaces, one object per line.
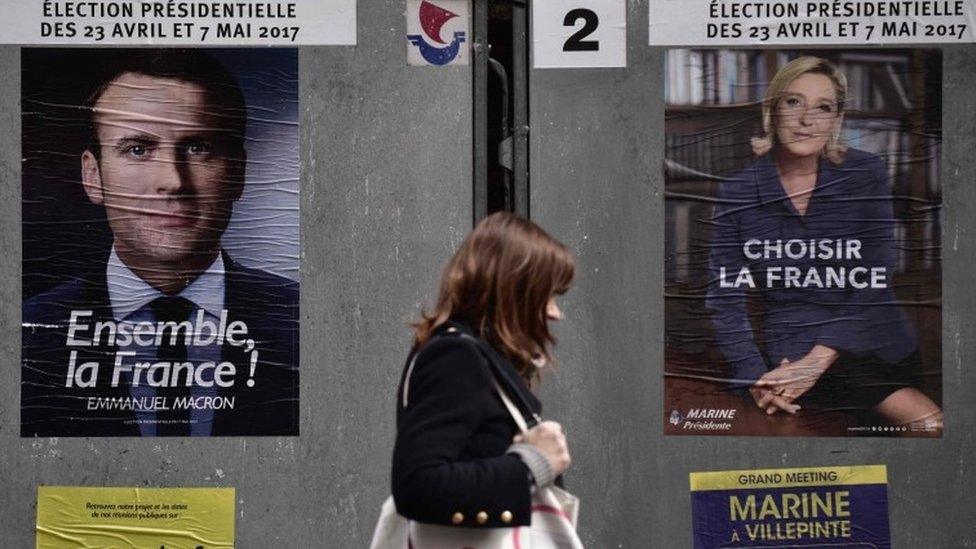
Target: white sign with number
{"x":579,"y":33}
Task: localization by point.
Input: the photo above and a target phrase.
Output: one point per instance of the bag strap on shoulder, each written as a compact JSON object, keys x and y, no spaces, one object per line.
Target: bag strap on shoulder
{"x":521,"y":412}
{"x":450,"y":331}
{"x":504,"y":387}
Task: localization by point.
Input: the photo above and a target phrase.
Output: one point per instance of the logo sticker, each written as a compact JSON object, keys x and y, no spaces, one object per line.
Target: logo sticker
{"x":437,"y":33}
{"x":704,"y":419}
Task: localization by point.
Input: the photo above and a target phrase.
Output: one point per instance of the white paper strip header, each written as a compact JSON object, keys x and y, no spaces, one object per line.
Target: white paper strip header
{"x":810,"y":22}
{"x":179,"y":22}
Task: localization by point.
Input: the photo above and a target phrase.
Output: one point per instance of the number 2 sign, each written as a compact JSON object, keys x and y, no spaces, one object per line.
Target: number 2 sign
{"x":579,"y":33}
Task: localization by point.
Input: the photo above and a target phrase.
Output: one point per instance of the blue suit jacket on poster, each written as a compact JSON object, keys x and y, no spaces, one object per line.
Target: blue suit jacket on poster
{"x":266,"y":303}
{"x":852,"y":201}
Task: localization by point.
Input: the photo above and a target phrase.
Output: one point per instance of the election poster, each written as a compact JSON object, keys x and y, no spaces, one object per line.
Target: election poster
{"x":802,"y":242}
{"x":160,"y":242}
{"x":814,"y":508}
{"x":70,"y":517}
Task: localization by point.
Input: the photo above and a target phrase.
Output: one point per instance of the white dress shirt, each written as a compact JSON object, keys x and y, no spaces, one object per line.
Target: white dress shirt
{"x":130,"y":297}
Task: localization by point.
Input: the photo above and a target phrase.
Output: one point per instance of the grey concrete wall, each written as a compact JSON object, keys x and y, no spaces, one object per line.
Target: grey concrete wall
{"x":385,"y":186}
{"x":595,"y":159}
{"x":385,"y":198}
{"x":596,"y":155}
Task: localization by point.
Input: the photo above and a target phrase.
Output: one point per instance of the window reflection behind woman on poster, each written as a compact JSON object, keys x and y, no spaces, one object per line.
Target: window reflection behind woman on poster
{"x":809,"y":226}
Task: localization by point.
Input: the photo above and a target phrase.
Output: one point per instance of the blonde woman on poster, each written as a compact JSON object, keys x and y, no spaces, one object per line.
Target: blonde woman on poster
{"x":809,"y":226}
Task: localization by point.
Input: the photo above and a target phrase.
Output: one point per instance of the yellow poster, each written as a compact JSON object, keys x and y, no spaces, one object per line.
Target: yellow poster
{"x":139,"y":518}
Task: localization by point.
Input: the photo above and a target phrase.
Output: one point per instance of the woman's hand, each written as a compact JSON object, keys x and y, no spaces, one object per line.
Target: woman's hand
{"x":769,"y":401}
{"x":791,"y":380}
{"x":548,"y":438}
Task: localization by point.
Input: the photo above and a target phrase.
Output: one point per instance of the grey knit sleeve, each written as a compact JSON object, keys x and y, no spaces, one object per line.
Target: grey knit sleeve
{"x":536,"y":461}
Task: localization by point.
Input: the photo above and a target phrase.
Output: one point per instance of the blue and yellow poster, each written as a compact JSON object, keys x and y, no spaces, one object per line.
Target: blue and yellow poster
{"x":813,"y":508}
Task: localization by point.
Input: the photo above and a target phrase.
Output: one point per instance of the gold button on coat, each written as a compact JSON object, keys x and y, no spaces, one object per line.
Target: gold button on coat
{"x":457,"y":518}
{"x":506,"y":516}
{"x":481,"y":517}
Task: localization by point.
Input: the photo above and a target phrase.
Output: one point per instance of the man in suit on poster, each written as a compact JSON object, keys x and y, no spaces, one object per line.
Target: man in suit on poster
{"x":186,"y":341}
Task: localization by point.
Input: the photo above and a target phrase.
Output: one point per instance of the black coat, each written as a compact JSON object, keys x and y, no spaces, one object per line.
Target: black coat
{"x":449,"y":462}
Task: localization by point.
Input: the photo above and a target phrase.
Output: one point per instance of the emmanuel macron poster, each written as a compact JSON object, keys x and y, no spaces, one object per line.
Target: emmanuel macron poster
{"x":161,"y":245}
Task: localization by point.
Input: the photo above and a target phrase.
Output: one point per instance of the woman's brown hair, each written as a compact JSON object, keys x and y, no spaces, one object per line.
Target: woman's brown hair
{"x":499,"y":281}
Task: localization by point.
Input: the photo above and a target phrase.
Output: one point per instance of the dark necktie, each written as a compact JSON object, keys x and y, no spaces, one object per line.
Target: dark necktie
{"x":172,"y":349}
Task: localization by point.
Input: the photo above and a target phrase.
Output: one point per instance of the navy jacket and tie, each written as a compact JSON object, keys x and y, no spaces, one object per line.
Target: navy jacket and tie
{"x":851,"y":201}
{"x":266,"y":303}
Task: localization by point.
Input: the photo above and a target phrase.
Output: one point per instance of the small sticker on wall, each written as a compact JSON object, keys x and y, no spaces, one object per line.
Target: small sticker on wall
{"x":438,"y":33}
{"x":579,"y":34}
{"x":167,"y":518}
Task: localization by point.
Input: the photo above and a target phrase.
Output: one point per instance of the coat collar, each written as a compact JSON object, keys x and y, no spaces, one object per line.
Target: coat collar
{"x":128,"y":292}
{"x":94,"y":294}
{"x":771,"y":190}
{"x":509,"y":376}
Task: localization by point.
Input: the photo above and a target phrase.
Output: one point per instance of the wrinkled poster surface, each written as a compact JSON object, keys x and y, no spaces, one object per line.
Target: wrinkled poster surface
{"x":802,"y":246}
{"x":166,"y":518}
{"x":160,"y":240}
{"x":817,"y":507}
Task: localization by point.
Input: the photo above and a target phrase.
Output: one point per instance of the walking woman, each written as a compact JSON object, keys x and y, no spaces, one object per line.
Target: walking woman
{"x":458,"y":460}
{"x":810,"y":225}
